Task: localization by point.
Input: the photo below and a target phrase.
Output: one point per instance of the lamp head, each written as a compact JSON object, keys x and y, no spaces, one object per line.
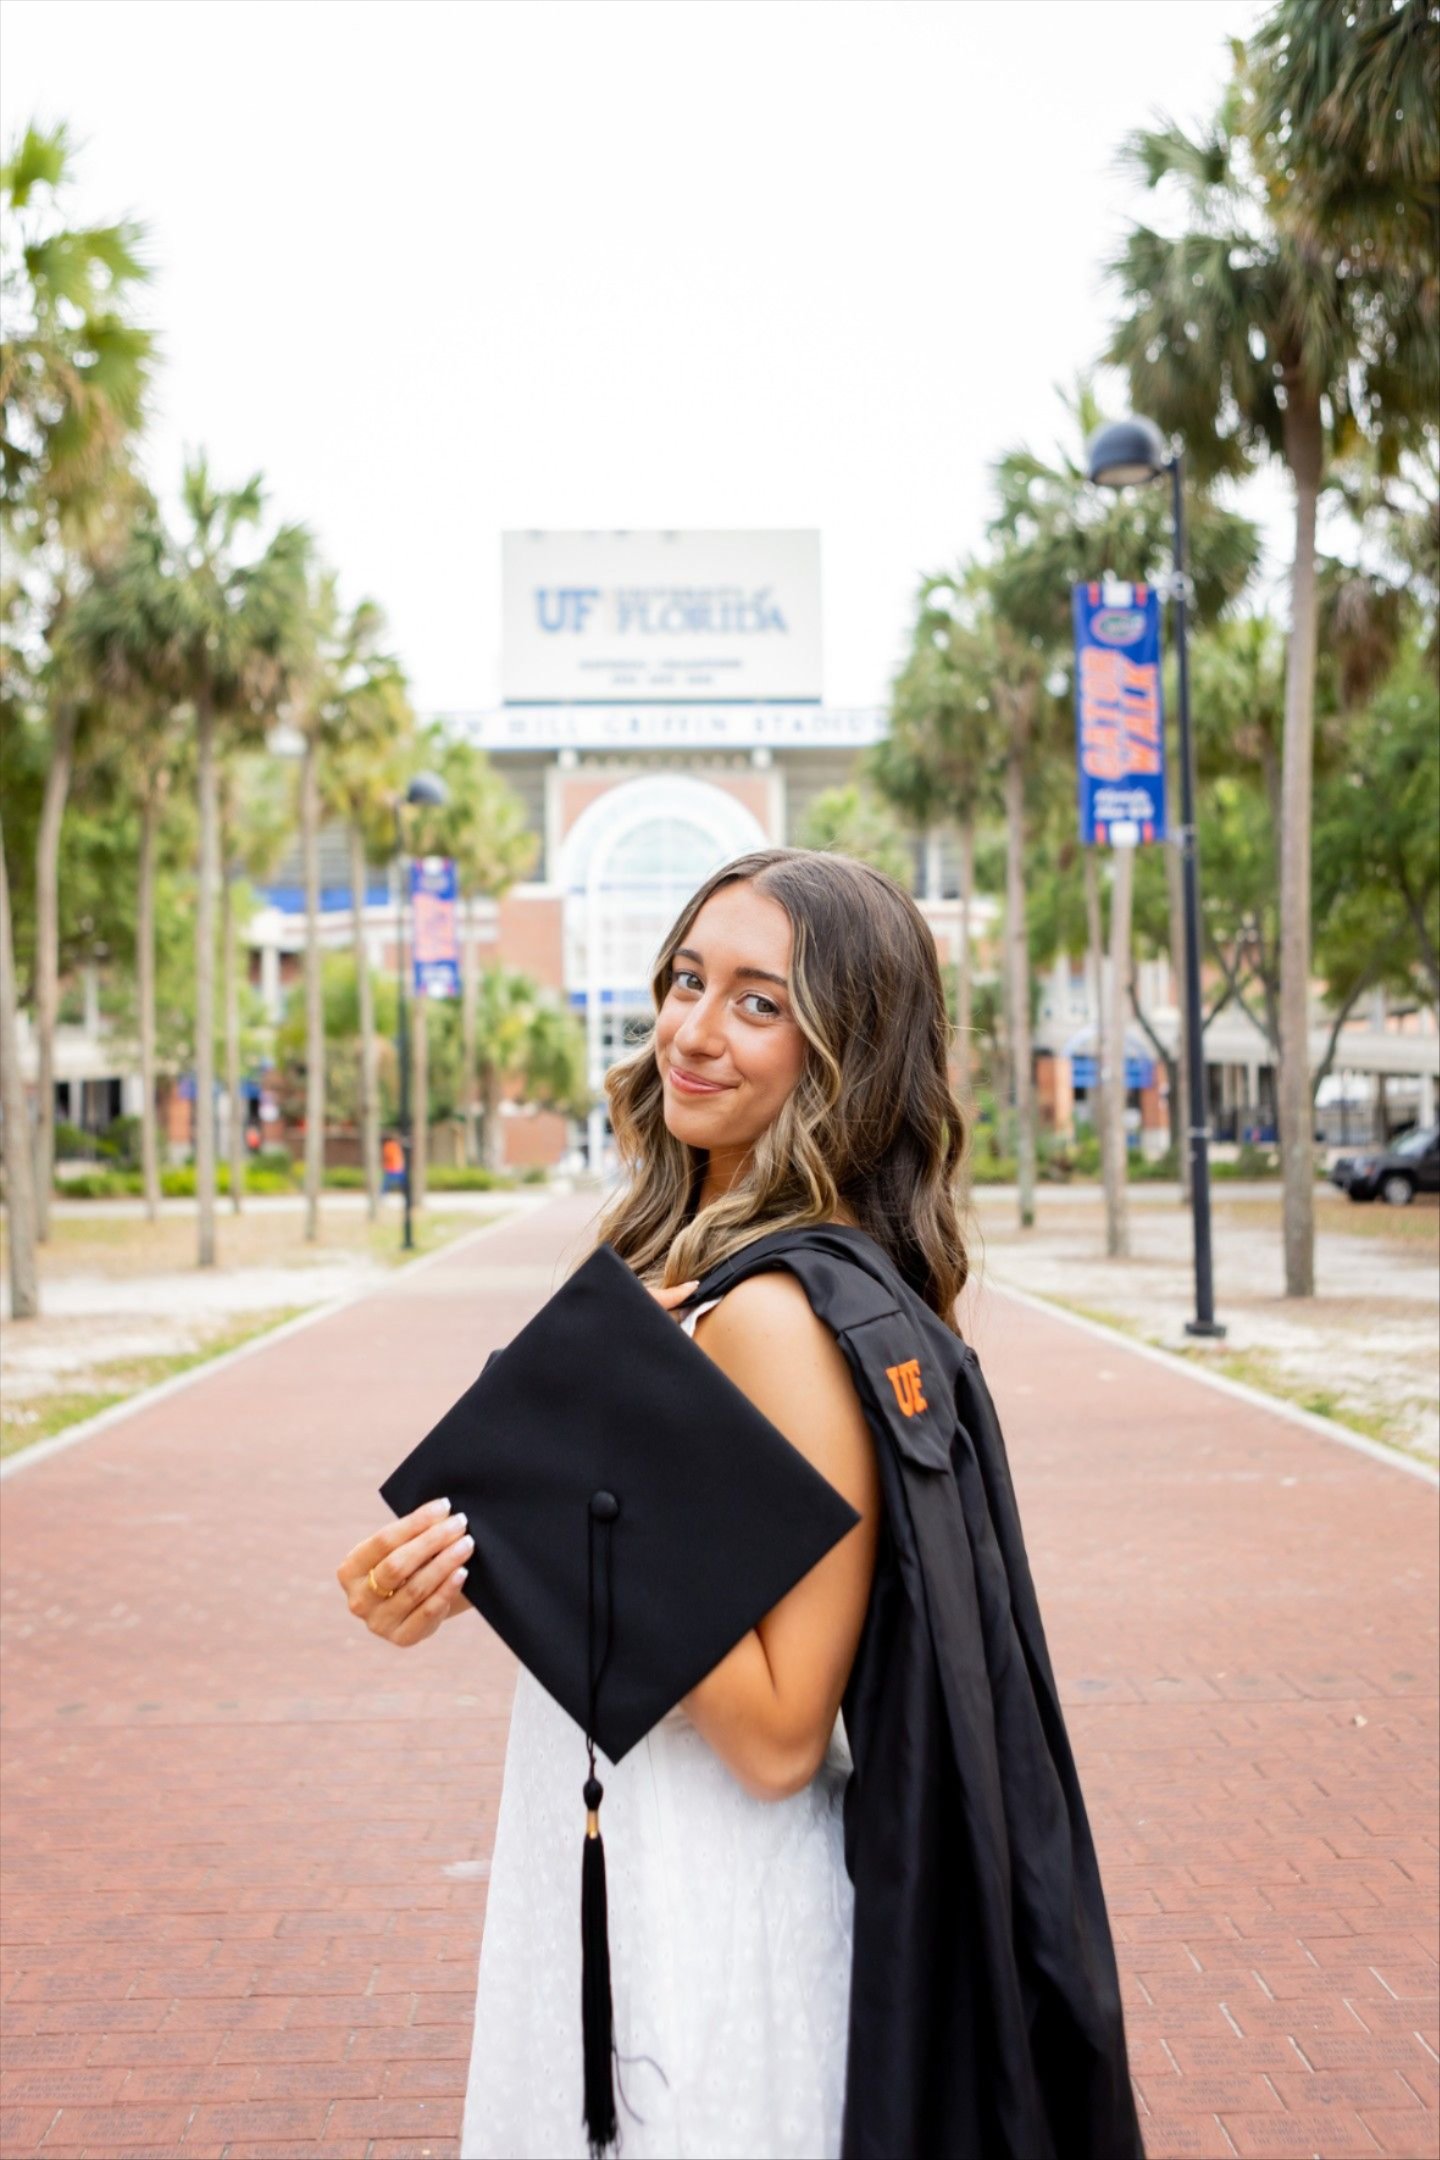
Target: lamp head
{"x":1126,"y":453}
{"x":428,"y":789}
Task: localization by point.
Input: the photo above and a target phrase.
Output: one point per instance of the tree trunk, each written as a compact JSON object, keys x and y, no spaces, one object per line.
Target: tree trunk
{"x":1304,"y":448}
{"x":493,"y":1143}
{"x":205,"y":985}
{"x":467,"y":1034}
{"x":1018,"y":953}
{"x":1002,"y":1078}
{"x":145,"y":990}
{"x":1429,"y":954}
{"x":419,"y":1099}
{"x":1095,"y":930}
{"x":365,"y":991}
{"x":19,"y":1148}
{"x":964,"y":1029}
{"x":482,"y":1108}
{"x":235,"y":1116}
{"x":47,"y":951}
{"x":1180,"y":1068}
{"x":314,"y":990}
{"x":1117,"y":1209}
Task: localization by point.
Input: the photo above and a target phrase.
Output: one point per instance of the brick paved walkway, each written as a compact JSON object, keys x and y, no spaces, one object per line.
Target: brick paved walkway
{"x":245,"y":1845}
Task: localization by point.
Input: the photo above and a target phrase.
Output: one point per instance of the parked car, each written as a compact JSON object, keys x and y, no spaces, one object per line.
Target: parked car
{"x":1411,"y":1165}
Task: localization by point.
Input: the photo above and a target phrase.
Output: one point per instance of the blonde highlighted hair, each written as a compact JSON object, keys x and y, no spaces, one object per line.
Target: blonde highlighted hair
{"x":872,"y":1125}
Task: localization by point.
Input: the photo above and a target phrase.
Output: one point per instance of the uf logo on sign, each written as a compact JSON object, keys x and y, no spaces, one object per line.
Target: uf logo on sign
{"x":564,"y":607}
{"x":905,"y":1379}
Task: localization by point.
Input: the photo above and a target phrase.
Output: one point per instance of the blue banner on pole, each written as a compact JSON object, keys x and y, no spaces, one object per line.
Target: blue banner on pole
{"x":1119,"y":716}
{"x":435,"y":961}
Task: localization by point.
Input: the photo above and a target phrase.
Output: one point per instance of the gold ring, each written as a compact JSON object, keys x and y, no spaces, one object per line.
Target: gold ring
{"x":376,"y":1587}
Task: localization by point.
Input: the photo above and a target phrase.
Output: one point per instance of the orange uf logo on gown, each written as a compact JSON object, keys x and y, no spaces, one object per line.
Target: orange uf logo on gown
{"x":905,"y":1379}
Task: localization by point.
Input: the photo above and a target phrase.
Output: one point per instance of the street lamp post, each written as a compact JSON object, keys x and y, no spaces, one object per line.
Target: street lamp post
{"x":425,"y":789}
{"x":1124,"y":453}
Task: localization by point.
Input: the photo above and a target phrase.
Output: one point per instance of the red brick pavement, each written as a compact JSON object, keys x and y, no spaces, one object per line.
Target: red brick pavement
{"x":245,"y":1846}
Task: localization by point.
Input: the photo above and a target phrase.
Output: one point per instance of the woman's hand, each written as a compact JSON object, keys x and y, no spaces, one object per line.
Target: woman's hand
{"x":410,"y":1576}
{"x":679,"y":1294}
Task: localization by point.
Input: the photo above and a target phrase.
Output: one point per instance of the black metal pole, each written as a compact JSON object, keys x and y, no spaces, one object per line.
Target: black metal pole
{"x":1204,"y":1322}
{"x":402,"y":1030}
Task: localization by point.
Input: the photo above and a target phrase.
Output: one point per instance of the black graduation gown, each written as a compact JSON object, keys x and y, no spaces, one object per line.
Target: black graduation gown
{"x":985,"y":2017}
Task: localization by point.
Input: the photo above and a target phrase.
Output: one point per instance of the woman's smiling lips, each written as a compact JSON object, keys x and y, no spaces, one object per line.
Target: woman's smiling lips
{"x":688,"y":1084}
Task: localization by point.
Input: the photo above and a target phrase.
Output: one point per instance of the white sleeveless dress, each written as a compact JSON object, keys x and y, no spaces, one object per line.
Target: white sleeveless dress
{"x":730,"y":1938}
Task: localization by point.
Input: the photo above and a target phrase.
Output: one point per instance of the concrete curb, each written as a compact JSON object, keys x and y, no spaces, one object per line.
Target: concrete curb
{"x":1327,"y":1428}
{"x":117,"y":1412}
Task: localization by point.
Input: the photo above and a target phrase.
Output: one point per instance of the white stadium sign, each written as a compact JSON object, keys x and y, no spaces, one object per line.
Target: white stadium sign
{"x":676,"y":618}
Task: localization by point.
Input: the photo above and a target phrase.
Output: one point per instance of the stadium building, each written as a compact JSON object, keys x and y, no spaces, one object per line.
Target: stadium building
{"x":662,"y":712}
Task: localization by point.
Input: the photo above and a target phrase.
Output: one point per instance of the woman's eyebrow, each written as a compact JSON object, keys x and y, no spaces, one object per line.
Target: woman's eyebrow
{"x":688,"y":952}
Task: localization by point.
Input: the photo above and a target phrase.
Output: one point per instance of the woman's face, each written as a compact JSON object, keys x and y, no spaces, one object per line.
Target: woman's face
{"x":727,"y":1023}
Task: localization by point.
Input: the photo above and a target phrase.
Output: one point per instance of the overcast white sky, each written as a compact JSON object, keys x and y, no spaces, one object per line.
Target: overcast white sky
{"x":443,"y":267}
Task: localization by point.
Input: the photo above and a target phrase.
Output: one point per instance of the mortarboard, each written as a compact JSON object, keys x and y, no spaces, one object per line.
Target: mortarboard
{"x":634,"y":1515}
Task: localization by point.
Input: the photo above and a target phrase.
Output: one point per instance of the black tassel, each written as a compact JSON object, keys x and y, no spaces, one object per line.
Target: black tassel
{"x":597,"y":2014}
{"x":600,"y":2123}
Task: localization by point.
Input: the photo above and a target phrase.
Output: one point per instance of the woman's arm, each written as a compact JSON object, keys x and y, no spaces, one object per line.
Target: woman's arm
{"x":768,"y":1709}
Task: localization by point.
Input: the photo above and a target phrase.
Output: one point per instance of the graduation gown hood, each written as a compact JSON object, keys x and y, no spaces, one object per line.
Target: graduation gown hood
{"x":985,"y":2017}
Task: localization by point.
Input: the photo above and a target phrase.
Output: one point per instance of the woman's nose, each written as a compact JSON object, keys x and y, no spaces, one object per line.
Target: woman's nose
{"x":699,"y":1032}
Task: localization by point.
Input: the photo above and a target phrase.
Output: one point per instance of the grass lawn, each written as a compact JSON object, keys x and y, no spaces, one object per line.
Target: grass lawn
{"x":260,"y":1236}
{"x":265,"y":1245}
{"x":1362,"y":1351}
{"x":114,"y":1379}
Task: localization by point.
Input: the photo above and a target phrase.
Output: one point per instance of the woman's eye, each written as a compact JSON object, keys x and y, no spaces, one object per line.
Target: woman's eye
{"x":680,"y":975}
{"x":772,"y":1010}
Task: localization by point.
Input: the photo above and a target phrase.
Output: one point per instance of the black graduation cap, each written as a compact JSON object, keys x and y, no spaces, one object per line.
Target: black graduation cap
{"x":634,"y":1515}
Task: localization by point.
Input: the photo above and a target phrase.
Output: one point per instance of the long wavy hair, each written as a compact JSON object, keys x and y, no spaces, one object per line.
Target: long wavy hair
{"x":872,"y":1124}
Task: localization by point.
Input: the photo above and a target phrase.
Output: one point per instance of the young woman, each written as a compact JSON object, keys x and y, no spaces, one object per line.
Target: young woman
{"x":796,"y":1076}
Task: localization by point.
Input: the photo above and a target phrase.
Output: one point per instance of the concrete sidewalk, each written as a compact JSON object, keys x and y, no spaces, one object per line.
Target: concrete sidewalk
{"x":245,"y":1845}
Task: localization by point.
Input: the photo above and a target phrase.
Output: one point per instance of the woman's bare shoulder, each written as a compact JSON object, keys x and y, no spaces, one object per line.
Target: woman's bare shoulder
{"x":765,"y":1336}
{"x":770,"y":1308}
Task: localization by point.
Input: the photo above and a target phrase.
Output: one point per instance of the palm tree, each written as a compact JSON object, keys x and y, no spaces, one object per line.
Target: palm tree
{"x":153,"y":779}
{"x":367,"y":747}
{"x":523,"y":1033}
{"x":228,"y":625}
{"x":1015,"y":665}
{"x":1019,"y":694}
{"x":74,"y":373}
{"x":937,"y":762}
{"x":74,"y":367}
{"x":19,"y":1160}
{"x":484,"y":830}
{"x":859,"y":821}
{"x":1347,"y":103}
{"x":1056,"y":530}
{"x":1378,"y":877}
{"x":1279,"y":324}
{"x":115,"y":636}
{"x":311,"y":636}
{"x":254,"y":834}
{"x":427,"y":834}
